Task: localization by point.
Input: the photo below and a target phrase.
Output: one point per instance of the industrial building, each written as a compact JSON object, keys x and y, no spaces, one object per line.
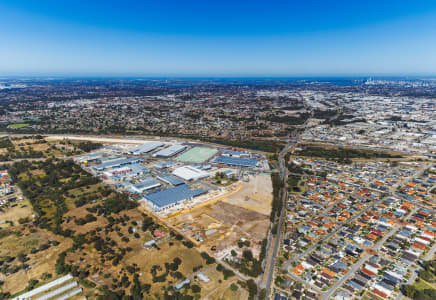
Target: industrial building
{"x":162,"y":200}
{"x":234,"y":161}
{"x":190,"y":173}
{"x":163,"y":165}
{"x":236,"y":154}
{"x":90,"y":158}
{"x":170,"y":179}
{"x":116,"y":163}
{"x":170,"y":151}
{"x":126,"y":172}
{"x":46,"y":291}
{"x":145,"y":148}
{"x":147,"y":183}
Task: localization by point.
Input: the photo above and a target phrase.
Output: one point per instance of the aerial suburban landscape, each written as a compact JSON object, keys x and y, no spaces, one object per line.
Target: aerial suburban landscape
{"x":218,"y":150}
{"x":218,"y":189}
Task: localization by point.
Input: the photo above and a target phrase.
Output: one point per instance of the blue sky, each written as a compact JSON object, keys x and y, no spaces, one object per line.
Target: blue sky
{"x":218,"y":38}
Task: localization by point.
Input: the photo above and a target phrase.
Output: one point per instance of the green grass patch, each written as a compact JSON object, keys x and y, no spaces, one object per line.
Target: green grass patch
{"x":422,"y":285}
{"x":197,"y":155}
{"x":18,"y":125}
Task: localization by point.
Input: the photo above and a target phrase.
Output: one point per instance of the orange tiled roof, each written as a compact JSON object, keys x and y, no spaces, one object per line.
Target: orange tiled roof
{"x":329,"y":272}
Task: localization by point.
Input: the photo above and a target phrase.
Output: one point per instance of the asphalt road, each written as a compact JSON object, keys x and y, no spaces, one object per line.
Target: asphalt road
{"x":273,"y":247}
{"x":266,"y":279}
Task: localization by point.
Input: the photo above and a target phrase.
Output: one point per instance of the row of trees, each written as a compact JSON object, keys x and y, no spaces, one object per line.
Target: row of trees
{"x":343,"y":153}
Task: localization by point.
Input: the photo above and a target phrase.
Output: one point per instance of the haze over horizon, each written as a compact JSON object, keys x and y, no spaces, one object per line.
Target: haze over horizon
{"x":198,"y":38}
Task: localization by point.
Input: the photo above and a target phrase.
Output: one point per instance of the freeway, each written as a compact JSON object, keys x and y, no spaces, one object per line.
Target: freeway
{"x":274,"y":242}
{"x":265,"y":280}
{"x":361,"y":147}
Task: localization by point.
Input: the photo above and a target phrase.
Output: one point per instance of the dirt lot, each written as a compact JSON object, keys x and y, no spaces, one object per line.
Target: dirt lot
{"x":255,"y":195}
{"x":22,"y":209}
{"x":221,"y":224}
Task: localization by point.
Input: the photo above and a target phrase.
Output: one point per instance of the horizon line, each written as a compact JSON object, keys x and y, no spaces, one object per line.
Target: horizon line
{"x":214,"y":76}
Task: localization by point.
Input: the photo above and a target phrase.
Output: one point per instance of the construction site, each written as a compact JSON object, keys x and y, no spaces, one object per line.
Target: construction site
{"x":240,"y":213}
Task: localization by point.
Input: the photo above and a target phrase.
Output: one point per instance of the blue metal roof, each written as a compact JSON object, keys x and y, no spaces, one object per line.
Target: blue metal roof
{"x":117,"y":163}
{"x":147,"y":183}
{"x":173,"y":195}
{"x":164,"y":165}
{"x":236,"y":161}
{"x":171,"y":179}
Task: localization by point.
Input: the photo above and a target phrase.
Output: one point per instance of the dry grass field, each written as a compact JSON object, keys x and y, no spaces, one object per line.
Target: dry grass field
{"x":23,"y":239}
{"x":22,"y":209}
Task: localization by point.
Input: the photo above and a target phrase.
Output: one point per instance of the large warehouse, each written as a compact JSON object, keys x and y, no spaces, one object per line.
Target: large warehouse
{"x":236,"y":154}
{"x":145,"y":148}
{"x":170,"y":151}
{"x":189,"y":173}
{"x":234,"y":161}
{"x":170,"y":179}
{"x":168,"y":198}
{"x":147,"y":183}
{"x":116,"y":163}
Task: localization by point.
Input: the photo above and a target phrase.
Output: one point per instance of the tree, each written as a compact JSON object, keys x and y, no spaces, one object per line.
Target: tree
{"x":410,"y":291}
{"x":196,"y":288}
{"x":233,"y":287}
{"x":248,"y":255}
{"x":262,"y":294}
{"x":136,"y":290}
{"x":252,"y":288}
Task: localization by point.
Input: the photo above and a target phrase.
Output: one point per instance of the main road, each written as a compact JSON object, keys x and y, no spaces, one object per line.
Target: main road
{"x":273,"y":244}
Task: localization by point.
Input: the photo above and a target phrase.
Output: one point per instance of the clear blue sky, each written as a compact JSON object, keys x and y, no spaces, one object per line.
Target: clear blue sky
{"x":218,"y":38}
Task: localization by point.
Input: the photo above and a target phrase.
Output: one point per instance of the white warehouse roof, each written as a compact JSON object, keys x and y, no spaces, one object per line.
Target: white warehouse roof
{"x":145,"y":148}
{"x":190,"y":173}
{"x":170,"y":151}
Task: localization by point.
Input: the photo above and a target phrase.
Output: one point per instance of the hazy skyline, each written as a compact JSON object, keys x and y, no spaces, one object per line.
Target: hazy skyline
{"x":226,"y":38}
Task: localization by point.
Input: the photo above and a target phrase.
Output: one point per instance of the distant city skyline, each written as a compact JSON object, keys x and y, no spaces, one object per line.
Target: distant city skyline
{"x":220,"y":39}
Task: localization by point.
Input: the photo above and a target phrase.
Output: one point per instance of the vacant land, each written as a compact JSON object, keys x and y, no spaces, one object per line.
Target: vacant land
{"x":255,"y":195}
{"x":33,"y":252}
{"x":37,"y":147}
{"x":98,"y":236}
{"x":219,"y":225}
{"x":19,"y":210}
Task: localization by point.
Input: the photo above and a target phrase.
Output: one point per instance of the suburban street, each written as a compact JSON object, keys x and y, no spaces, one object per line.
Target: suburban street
{"x":356,"y":266}
{"x":365,"y":257}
